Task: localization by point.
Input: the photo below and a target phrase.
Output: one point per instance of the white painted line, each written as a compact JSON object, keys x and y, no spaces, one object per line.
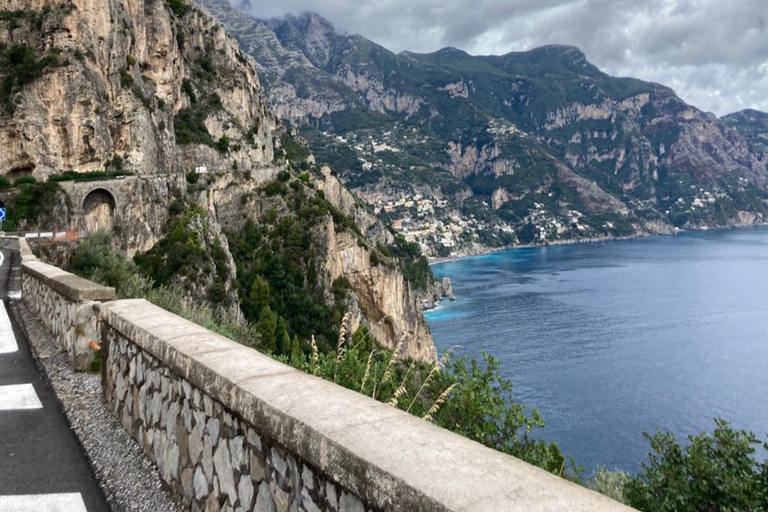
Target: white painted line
{"x":2,"y":258}
{"x":43,"y":503}
{"x":7,"y":339}
{"x":18,"y":396}
{"x":14,"y":295}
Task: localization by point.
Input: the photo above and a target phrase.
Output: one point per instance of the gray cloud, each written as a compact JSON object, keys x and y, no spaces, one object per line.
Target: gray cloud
{"x":713,"y":53}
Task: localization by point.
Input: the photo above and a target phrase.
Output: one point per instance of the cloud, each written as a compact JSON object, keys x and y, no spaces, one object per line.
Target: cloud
{"x":713,"y":53}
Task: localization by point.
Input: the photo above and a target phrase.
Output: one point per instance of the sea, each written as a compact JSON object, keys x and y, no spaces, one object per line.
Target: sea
{"x":612,"y":339}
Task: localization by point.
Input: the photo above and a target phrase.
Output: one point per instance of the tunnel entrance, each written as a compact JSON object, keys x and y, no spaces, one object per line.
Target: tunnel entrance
{"x":99,"y":208}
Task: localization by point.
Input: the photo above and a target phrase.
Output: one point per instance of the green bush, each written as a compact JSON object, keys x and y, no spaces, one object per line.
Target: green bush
{"x":222,"y":145}
{"x":25,"y":180}
{"x":190,"y":128}
{"x":21,"y":65}
{"x":178,"y":7}
{"x":717,"y":473}
{"x":609,"y":483}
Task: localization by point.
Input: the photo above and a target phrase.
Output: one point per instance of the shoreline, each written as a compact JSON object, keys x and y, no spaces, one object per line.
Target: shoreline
{"x":446,"y":259}
{"x":437,"y":261}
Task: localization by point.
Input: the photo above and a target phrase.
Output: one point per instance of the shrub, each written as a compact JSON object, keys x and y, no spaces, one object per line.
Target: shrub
{"x":178,"y":7}
{"x":222,"y":145}
{"x":21,"y":65}
{"x":190,"y":128}
{"x":25,"y":180}
{"x":717,"y":472}
{"x":609,"y":483}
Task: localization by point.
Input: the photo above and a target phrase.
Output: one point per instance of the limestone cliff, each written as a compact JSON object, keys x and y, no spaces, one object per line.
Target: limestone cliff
{"x":157,"y":87}
{"x":343,"y":248}
{"x":157,"y":90}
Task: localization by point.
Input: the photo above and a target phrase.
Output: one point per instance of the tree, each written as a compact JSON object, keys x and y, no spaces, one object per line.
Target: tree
{"x":283,"y":340}
{"x":266,"y":327}
{"x":297,"y":354}
{"x":258,"y":298}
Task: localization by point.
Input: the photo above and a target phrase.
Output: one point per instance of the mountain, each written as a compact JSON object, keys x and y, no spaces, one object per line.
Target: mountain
{"x":541,"y":142}
{"x":753,"y":125}
{"x":156,"y":93}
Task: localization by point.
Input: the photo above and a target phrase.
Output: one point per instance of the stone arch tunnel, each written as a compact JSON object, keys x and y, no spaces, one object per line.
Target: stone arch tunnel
{"x":99,"y":207}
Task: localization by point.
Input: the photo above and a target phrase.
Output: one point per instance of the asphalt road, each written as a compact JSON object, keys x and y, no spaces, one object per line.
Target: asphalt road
{"x":42,"y":465}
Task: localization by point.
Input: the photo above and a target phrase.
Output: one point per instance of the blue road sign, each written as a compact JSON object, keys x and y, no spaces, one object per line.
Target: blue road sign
{"x":2,"y":214}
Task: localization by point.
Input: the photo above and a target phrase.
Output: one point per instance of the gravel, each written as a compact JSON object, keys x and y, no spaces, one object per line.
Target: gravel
{"x":129,"y":480}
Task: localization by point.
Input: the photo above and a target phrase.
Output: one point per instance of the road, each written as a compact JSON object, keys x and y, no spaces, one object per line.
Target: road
{"x":42,"y":465}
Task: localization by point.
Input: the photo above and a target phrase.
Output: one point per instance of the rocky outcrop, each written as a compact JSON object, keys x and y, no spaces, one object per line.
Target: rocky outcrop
{"x":380,"y":296}
{"x":384,"y":297}
{"x":122,"y":73}
{"x":469,"y":160}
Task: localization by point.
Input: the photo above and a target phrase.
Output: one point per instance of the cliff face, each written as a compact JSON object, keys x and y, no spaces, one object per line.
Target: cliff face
{"x":343,"y":248}
{"x":115,"y":78}
{"x":157,"y":89}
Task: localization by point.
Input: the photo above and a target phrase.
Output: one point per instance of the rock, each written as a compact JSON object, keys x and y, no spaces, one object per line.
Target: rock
{"x":187,"y":482}
{"x":280,"y":465}
{"x":237,"y":449}
{"x":223,"y":463}
{"x":264,"y":500}
{"x":331,"y":496}
{"x":201,"y":484}
{"x":195,"y":447}
{"x":245,"y":491}
{"x":350,"y":503}
{"x":208,"y":458}
{"x":213,"y":430}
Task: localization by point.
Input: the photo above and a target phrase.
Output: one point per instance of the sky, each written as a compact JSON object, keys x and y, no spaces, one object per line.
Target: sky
{"x":714,"y":53}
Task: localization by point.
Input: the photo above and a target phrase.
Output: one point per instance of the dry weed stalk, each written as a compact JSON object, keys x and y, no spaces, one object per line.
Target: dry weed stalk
{"x":439,"y":402}
{"x":436,"y":368}
{"x":367,"y":374}
{"x":315,"y":356}
{"x":340,"y":348}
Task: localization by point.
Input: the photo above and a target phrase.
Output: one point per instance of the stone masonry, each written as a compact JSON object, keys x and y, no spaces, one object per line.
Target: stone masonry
{"x":64,"y":304}
{"x":232,"y":429}
{"x":204,"y":451}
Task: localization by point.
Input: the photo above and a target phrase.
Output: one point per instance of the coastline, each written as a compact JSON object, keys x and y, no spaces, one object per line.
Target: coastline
{"x":487,"y":251}
{"x":677,"y":231}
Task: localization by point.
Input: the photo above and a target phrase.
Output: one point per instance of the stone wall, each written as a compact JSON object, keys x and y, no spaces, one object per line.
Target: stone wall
{"x":231,"y":429}
{"x":64,"y":303}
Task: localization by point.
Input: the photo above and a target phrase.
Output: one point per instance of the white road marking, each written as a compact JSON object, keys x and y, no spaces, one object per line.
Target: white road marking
{"x":7,"y":338}
{"x":2,"y":258}
{"x":18,"y":396}
{"x":14,"y":295}
{"x":43,"y":503}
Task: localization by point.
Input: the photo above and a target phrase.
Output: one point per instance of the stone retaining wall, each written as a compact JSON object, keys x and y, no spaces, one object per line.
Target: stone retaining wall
{"x":231,"y":429}
{"x":64,"y":304}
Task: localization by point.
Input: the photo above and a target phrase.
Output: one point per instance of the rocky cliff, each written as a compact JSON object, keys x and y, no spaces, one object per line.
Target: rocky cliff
{"x":158,"y":91}
{"x":91,"y":80}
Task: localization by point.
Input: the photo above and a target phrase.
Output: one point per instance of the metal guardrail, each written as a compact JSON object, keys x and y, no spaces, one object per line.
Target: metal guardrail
{"x":59,"y":236}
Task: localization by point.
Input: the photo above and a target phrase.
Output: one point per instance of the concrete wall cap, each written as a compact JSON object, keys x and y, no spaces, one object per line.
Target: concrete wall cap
{"x":392,"y":460}
{"x":69,"y":285}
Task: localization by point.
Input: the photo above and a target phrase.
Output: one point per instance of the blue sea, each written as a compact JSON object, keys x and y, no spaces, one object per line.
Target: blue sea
{"x":608,"y":340}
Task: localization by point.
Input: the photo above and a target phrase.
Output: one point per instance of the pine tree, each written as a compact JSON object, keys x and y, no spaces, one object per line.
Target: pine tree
{"x":283,"y":340}
{"x":258,"y":298}
{"x":266,"y":326}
